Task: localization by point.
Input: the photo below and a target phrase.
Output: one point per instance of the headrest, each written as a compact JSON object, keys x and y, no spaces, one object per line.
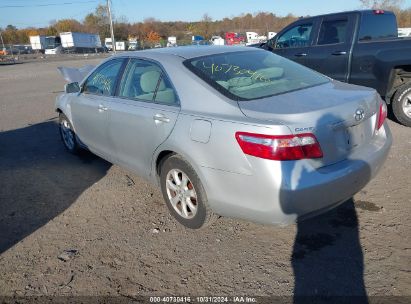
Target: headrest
{"x":149,"y":80}
{"x":270,"y":73}
{"x":240,"y":81}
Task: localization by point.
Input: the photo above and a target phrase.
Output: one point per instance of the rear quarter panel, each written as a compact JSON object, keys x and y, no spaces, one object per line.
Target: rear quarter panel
{"x":372,"y":62}
{"x":221,"y":151}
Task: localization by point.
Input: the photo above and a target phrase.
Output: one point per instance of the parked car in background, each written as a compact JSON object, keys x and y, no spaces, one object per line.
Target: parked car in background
{"x":232,"y":38}
{"x":23,"y":49}
{"x":16,"y":49}
{"x":237,"y":132}
{"x":358,"y":47}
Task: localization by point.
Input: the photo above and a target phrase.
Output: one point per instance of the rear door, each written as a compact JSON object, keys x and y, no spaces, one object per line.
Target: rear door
{"x":294,"y":43}
{"x":330,"y":53}
{"x":90,"y":108}
{"x":143,"y":114}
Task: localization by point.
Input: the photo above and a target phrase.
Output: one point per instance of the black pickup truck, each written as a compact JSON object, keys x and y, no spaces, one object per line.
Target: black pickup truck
{"x":359,"y":47}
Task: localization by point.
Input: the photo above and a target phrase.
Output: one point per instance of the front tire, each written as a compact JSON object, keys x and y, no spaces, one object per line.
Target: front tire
{"x":68,"y":136}
{"x":401,"y":105}
{"x":184,"y":194}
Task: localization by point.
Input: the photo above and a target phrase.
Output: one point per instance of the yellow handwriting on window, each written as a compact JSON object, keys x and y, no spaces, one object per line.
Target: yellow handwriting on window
{"x":235,"y":70}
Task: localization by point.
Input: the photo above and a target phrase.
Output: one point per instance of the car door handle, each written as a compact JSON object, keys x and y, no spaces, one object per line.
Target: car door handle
{"x":102,"y":108}
{"x":300,"y":54}
{"x":161,"y":118}
{"x":339,"y":53}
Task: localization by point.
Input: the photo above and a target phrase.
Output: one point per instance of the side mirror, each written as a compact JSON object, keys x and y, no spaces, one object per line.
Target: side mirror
{"x":73,"y":87}
{"x":269,"y":45}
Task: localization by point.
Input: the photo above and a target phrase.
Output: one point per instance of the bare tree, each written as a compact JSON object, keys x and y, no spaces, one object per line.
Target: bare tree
{"x":383,"y":4}
{"x":205,"y":26}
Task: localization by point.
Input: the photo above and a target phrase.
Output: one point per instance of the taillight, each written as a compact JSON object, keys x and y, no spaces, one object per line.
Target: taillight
{"x":279,"y":147}
{"x":382,"y":114}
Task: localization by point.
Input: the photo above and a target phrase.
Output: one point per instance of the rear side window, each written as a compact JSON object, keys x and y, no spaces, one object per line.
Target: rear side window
{"x":333,"y":32}
{"x":297,"y":36}
{"x":377,"y":26}
{"x":144,"y":80}
{"x":251,"y":75}
{"x":103,"y":80}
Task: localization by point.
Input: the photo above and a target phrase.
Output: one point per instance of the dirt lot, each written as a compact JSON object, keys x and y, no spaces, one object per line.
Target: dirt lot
{"x":125,"y":243}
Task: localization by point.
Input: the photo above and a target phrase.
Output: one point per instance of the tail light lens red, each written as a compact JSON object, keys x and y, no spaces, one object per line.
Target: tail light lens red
{"x":382,"y":114}
{"x":279,"y":147}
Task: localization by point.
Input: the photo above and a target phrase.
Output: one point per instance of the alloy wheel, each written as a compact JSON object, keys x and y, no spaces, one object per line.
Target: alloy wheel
{"x":406,"y":105}
{"x":67,"y":134}
{"x":181,"y":194}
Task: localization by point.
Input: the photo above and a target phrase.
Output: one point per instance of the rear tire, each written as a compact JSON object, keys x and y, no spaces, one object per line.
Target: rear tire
{"x":68,"y":136}
{"x":184,"y":194}
{"x":401,"y":104}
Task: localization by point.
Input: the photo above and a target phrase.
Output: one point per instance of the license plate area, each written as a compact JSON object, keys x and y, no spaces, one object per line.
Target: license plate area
{"x":358,"y":135}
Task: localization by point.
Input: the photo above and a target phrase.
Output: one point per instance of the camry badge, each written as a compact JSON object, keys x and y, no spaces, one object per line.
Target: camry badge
{"x":359,"y":114}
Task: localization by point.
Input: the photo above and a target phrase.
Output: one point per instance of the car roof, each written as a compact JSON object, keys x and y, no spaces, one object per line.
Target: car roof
{"x":366,"y":11}
{"x":188,"y":52}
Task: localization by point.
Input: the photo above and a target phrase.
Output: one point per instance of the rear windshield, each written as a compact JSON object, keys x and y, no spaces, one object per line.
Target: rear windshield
{"x":377,"y":26}
{"x":252,"y":75}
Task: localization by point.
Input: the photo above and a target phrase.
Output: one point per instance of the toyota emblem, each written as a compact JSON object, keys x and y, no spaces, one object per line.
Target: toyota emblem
{"x":359,"y":114}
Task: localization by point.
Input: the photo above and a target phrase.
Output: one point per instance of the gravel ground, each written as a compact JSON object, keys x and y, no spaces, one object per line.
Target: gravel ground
{"x":80,"y":226}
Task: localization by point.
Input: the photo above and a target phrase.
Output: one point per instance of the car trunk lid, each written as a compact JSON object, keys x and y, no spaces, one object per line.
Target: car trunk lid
{"x":341,"y":116}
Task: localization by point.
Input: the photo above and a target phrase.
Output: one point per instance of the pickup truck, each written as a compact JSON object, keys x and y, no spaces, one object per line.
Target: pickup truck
{"x":359,"y":47}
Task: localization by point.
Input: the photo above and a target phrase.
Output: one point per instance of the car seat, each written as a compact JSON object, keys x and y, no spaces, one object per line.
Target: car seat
{"x":148,"y":83}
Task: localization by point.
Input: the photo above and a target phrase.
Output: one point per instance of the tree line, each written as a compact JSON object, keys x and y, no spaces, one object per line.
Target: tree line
{"x":153,"y":30}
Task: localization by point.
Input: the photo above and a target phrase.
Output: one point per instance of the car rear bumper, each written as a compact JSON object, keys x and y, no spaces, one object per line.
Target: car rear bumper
{"x":283,"y":192}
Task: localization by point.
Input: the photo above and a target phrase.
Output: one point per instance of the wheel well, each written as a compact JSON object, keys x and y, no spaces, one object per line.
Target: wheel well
{"x":399,"y":76}
{"x":161,"y":157}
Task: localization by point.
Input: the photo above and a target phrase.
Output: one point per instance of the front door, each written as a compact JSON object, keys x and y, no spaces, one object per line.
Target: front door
{"x":90,"y":108}
{"x":294,"y":43}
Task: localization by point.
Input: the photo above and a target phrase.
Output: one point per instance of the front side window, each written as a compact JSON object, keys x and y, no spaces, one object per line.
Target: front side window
{"x":298,"y":36}
{"x":103,"y":80}
{"x":253,"y":74}
{"x":333,"y":32}
{"x":144,"y":80}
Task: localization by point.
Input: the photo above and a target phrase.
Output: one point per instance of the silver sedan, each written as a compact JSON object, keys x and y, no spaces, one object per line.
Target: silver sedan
{"x":228,"y":131}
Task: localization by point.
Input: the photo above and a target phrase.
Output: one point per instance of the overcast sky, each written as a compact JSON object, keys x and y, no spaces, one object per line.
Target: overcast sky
{"x":24,"y":13}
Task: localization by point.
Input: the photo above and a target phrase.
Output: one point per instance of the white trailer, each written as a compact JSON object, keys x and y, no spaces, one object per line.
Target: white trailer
{"x":132,"y":44}
{"x":171,"y":41}
{"x":217,"y":40}
{"x":251,"y":36}
{"x":81,"y":42}
{"x":38,"y":42}
{"x":108,"y":43}
{"x":404,"y":32}
{"x":271,"y":34}
{"x":120,"y":45}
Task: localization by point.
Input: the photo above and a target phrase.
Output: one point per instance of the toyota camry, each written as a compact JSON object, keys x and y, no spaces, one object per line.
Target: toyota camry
{"x":227,"y":131}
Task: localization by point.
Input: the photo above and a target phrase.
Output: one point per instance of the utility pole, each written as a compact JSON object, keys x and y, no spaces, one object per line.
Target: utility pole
{"x":113,"y":43}
{"x":2,"y":42}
